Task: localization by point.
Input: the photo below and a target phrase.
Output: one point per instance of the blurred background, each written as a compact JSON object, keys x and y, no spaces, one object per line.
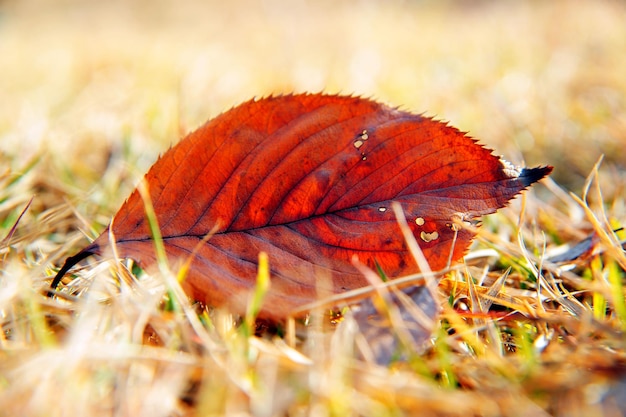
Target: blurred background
{"x":84,"y":84}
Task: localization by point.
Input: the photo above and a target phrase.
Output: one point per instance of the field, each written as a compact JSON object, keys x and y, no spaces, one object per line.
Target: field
{"x":91,"y":93}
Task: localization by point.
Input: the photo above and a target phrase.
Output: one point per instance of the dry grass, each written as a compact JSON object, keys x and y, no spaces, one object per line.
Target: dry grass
{"x":91,"y":93}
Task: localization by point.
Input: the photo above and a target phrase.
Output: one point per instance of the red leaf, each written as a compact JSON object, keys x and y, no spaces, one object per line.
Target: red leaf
{"x":309,"y":179}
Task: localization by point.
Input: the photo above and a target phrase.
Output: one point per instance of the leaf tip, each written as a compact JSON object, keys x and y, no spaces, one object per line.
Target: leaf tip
{"x":529,"y":176}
